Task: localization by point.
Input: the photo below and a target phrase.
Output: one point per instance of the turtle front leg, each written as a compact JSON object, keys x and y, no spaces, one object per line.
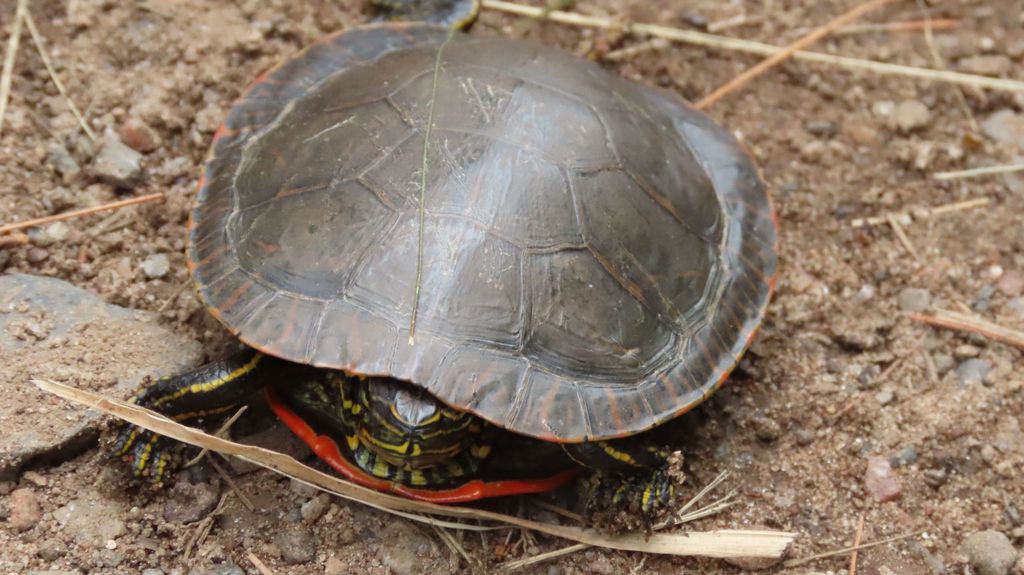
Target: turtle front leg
{"x":206,"y":391}
{"x":639,"y":471}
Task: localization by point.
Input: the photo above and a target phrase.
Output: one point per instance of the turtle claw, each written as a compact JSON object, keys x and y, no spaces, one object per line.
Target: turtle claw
{"x":646,"y":492}
{"x":149,"y":454}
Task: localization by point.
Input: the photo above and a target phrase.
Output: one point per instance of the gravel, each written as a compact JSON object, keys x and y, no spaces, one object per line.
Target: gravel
{"x":117,"y":164}
{"x":973,"y":371}
{"x":914,"y":299}
{"x":297,"y":544}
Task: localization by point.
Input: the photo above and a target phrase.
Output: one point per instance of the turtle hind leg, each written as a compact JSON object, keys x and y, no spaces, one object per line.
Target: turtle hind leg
{"x":635,"y":475}
{"x":207,"y":391}
{"x":458,"y":14}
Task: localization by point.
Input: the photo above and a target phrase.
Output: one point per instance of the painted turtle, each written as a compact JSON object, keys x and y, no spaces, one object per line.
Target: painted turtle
{"x":464,"y":266}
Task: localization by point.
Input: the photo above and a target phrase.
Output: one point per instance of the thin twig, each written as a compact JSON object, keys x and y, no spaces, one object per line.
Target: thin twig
{"x":453,"y":544}
{"x":635,"y":49}
{"x":38,"y":40}
{"x":760,"y":48}
{"x":845,"y":550}
{"x":79,"y":213}
{"x":963,"y":322}
{"x":979,"y":172}
{"x":856,"y":542}
{"x":9,"y":58}
{"x":258,"y":563}
{"x":776,"y":59}
{"x":901,"y":235}
{"x":572,"y":516}
{"x":222,"y":431}
{"x":232,"y":485}
{"x":924,"y":213}
{"x":940,"y":63}
{"x":901,"y":26}
{"x":167,"y":302}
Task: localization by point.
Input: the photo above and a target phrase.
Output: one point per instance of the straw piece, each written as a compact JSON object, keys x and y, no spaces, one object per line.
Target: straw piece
{"x":719,"y":543}
{"x":37,"y":38}
{"x":777,"y":58}
{"x":79,"y":213}
{"x":751,"y":47}
{"x":9,"y":58}
{"x":963,"y":322}
{"x":978,"y":172}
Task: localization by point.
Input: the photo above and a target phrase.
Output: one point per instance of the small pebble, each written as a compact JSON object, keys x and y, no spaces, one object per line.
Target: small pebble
{"x":1005,"y":127}
{"x":966,"y":351}
{"x":1014,"y":306}
{"x":766,"y":429}
{"x":973,"y":371}
{"x":156,"y":266}
{"x":137,"y":135}
{"x":25,"y":510}
{"x":822,"y":128}
{"x":803,"y":436}
{"x":884,"y":397}
{"x":226,"y":568}
{"x":52,"y":234}
{"x":880,"y":481}
{"x":152,"y":571}
{"x":1011,"y":284}
{"x":37,"y":255}
{"x":989,"y":552}
{"x":190,"y":502}
{"x":904,"y":457}
{"x":297,"y":545}
{"x":60,"y":158}
{"x":910,"y":115}
{"x":406,"y":550}
{"x":935,"y":477}
{"x":943,"y":363}
{"x":914,"y":299}
{"x":51,"y":550}
{"x":117,"y":164}
{"x":335,"y":566}
{"x":315,"y":508}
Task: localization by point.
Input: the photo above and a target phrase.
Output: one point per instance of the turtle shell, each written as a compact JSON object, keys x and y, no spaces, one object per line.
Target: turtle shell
{"x":567,"y":254}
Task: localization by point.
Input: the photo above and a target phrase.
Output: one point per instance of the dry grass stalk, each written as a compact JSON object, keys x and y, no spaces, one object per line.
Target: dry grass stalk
{"x":79,"y":213}
{"x":719,"y":543}
{"x":37,"y":38}
{"x":856,"y":543}
{"x":901,"y":235}
{"x":845,"y":550}
{"x":9,"y":57}
{"x":979,"y":172}
{"x":258,"y":563}
{"x":787,"y":53}
{"x":924,"y":213}
{"x":902,"y":26}
{"x":232,"y":485}
{"x":940,"y":63}
{"x":752,"y":47}
{"x":964,"y":322}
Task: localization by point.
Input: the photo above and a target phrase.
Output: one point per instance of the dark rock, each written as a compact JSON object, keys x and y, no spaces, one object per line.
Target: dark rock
{"x":989,"y":552}
{"x":765,"y":428}
{"x":77,"y":319}
{"x":190,"y":502}
{"x":297,"y":545}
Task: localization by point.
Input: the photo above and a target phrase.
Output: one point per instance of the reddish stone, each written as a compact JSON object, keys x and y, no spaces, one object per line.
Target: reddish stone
{"x":138,"y":136}
{"x":880,"y":481}
{"x":1011,"y":283}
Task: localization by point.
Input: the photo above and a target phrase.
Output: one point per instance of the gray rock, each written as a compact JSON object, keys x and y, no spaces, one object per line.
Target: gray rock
{"x":910,"y":115}
{"x":52,"y":234}
{"x":117,"y":164}
{"x":943,"y":363}
{"x":50,"y":329}
{"x":914,"y":299}
{"x":989,"y":552}
{"x":53,"y":572}
{"x":156,"y":266}
{"x":406,"y":550}
{"x":91,"y":520}
{"x":226,"y":568}
{"x":190,"y":502}
{"x":884,"y":397}
{"x":1005,"y":127}
{"x":51,"y":550}
{"x":315,"y":508}
{"x":906,"y":456}
{"x":25,"y":511}
{"x":973,"y":371}
{"x":297,"y":545}
{"x":822,"y":128}
{"x":803,"y":436}
{"x":60,"y":158}
{"x":153,"y":571}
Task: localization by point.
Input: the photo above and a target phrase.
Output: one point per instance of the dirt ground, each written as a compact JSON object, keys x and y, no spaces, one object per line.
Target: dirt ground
{"x":838,"y":377}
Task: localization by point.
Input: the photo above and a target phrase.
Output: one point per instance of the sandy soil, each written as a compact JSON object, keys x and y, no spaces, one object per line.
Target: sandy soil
{"x":838,"y":376}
